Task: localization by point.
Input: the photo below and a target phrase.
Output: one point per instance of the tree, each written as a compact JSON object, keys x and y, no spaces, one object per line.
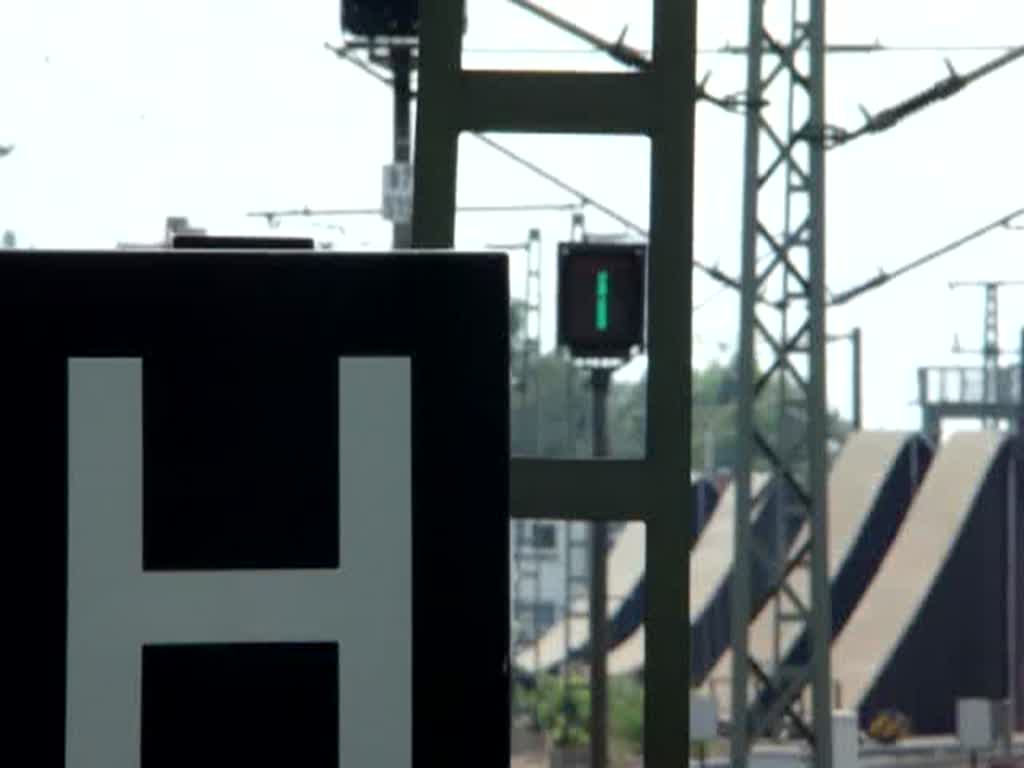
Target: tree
{"x":551,"y":409}
{"x":549,"y":406}
{"x":517,"y":325}
{"x":551,"y":414}
{"x":714,"y":415}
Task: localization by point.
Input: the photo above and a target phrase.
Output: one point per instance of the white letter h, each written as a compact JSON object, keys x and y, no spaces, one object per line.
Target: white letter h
{"x":114,"y":607}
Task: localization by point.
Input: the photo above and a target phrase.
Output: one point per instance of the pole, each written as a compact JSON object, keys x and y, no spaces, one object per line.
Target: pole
{"x":1020,"y":388}
{"x":401,"y":67}
{"x":821,"y":608}
{"x":857,"y":395}
{"x":600,"y":380}
{"x":991,"y":349}
{"x":739,"y":742}
{"x":709,"y":451}
{"x":1011,"y":596}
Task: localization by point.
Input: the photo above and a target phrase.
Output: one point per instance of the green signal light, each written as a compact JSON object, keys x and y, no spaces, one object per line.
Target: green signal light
{"x":601,"y":305}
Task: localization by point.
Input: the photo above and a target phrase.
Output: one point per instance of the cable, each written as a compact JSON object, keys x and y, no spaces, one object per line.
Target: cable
{"x":943,"y":48}
{"x":343,"y":53}
{"x":885,"y":277}
{"x":717,"y":294}
{"x":943,"y":89}
{"x":618,"y":50}
{"x":733,"y":50}
{"x":626,"y":55}
{"x":875,"y":47}
{"x":583,"y":197}
{"x":731,"y":285}
{"x":514,"y":208}
{"x":621,"y":53}
{"x":586,"y":200}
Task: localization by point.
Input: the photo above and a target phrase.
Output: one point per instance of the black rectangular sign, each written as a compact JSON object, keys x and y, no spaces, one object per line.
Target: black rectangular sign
{"x":256,"y":508}
{"x":241,"y":242}
{"x":601,"y":298}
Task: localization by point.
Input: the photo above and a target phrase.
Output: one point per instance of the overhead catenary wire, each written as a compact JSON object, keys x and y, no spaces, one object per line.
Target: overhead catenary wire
{"x":585,"y":200}
{"x":886,"y":277}
{"x":874,"y":47}
{"x":950,"y":85}
{"x":725,"y":287}
{"x":881,"y":121}
{"x":831,"y":136}
{"x":624,"y":54}
{"x":734,"y":50}
{"x":576,"y":192}
{"x":873,"y":124}
{"x":313,"y":212}
{"x":619,"y":51}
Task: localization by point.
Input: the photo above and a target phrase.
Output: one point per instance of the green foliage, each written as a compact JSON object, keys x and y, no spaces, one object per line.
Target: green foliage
{"x":551,"y":413}
{"x":714,"y":414}
{"x":551,"y":410}
{"x":626,"y":712}
{"x":563,"y":711}
{"x":524,"y":703}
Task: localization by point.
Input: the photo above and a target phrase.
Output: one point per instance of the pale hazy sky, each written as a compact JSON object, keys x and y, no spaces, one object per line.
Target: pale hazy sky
{"x":127,"y":111}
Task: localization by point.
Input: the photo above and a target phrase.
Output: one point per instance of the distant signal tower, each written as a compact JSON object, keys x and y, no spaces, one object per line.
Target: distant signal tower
{"x":990,"y":351}
{"x":991,"y":393}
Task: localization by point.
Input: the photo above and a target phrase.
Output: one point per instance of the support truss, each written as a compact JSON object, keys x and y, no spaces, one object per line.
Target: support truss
{"x":783,"y":320}
{"x":657,"y":103}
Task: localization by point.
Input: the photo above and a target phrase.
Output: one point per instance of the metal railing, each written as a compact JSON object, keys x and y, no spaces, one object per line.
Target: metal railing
{"x":942,"y":385}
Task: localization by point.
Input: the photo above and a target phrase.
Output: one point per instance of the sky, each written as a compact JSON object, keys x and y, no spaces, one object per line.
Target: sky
{"x":124,"y":112}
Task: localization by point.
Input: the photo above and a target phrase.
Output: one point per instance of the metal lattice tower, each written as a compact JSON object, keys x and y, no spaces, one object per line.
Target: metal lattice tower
{"x":783,"y":314}
{"x":577,"y":534}
{"x":526,"y":587}
{"x":531,"y":349}
{"x":990,"y":350}
{"x":577,"y":589}
{"x":525,"y":371}
{"x":574,"y":417}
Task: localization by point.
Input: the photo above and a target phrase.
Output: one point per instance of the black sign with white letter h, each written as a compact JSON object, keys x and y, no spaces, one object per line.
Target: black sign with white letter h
{"x":258,"y":508}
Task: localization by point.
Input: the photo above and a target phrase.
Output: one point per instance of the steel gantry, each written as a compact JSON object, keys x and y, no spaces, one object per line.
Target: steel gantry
{"x":783,"y":318}
{"x":659,"y":103}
